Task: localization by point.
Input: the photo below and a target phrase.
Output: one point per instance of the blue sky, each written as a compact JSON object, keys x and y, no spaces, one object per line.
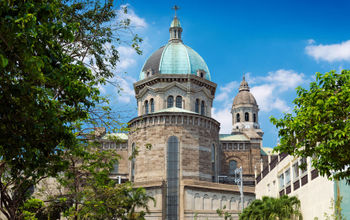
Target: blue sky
{"x":278,"y":45}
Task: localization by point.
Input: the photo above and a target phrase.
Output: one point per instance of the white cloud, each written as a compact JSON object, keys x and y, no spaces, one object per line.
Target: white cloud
{"x":268,"y":94}
{"x":268,"y":91}
{"x":330,"y":52}
{"x":226,"y":92}
{"x":284,"y":79}
{"x":223,"y":115}
{"x":263,"y":95}
{"x":280,"y":105}
{"x":225,"y":96}
{"x":127,"y":56}
{"x":311,"y":41}
{"x":125,"y":89}
{"x":135,"y":20}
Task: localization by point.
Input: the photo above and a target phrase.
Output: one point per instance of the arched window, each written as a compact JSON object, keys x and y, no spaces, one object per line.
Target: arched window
{"x":178,"y":101}
{"x":238,"y":117}
{"x":213,"y":155}
{"x":172,"y":178}
{"x":232,"y":167}
{"x":196,"y":107}
{"x":170,"y":101}
{"x":254,"y":117}
{"x":152,"y":105}
{"x":146,"y":107}
{"x":203,"y":108}
{"x":202,"y":75}
{"x":246,"y":116}
{"x":132,"y":163}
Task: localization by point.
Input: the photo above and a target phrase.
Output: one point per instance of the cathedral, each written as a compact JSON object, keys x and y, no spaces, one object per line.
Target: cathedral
{"x":183,"y":161}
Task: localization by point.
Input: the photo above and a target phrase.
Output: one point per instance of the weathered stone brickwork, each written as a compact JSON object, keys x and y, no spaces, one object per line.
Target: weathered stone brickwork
{"x":196,"y":135}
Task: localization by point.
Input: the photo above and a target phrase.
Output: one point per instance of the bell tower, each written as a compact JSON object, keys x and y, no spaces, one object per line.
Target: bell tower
{"x":245,"y":111}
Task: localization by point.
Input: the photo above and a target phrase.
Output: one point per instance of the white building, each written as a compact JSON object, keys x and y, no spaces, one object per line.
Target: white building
{"x":283,"y":176}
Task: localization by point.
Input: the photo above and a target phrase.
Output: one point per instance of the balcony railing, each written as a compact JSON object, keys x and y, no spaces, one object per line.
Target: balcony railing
{"x":304,"y":180}
{"x":314,"y":174}
{"x":270,"y":166}
{"x":296,"y":185}
{"x":248,"y":180}
{"x":288,"y":189}
{"x":282,"y":192}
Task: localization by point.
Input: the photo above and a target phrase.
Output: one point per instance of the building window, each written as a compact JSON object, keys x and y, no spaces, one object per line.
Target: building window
{"x":232,"y":167}
{"x":132,"y":163}
{"x":287,"y":176}
{"x":213,"y":160}
{"x":178,"y":101}
{"x":303,"y":163}
{"x":115,"y":168}
{"x":196,"y":107}
{"x":246,"y":116}
{"x":295,"y":170}
{"x":172,"y":178}
{"x":213,"y":153}
{"x":152,"y":105}
{"x":170,"y":101}
{"x":254,"y":117}
{"x":203,"y":108}
{"x":281,"y":181}
{"x":146,"y":107}
{"x":238,"y":117}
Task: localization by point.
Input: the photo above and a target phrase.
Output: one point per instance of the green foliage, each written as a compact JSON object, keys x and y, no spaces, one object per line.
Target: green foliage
{"x":30,"y":208}
{"x":223,"y":213}
{"x":88,"y":192}
{"x":283,"y":208}
{"x":336,"y":207}
{"x":320,"y":124}
{"x":53,"y":56}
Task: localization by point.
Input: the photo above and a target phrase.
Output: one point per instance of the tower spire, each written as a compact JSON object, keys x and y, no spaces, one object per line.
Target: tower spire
{"x":175,"y":27}
{"x":244,"y":85}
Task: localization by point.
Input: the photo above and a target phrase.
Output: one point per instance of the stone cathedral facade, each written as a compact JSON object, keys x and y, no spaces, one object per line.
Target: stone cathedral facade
{"x":189,"y":167}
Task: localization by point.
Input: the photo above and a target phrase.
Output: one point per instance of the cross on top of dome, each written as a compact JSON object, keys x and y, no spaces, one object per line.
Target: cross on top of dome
{"x":176,"y":8}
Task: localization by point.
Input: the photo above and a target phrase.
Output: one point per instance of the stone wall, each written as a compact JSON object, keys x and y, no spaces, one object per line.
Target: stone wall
{"x":196,"y":135}
{"x":201,"y":200}
{"x":245,"y":153}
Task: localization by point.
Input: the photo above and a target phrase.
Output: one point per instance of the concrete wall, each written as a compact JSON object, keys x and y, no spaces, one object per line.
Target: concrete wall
{"x":315,"y":196}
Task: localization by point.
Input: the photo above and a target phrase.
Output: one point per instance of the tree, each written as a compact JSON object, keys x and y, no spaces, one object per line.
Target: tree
{"x":86,"y":191}
{"x":46,"y":86}
{"x":283,"y":208}
{"x":320,"y":125}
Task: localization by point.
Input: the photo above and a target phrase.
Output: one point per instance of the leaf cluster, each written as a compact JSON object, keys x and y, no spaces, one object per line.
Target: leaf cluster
{"x":53,"y":56}
{"x":88,"y":192}
{"x":319,"y":126}
{"x":269,"y":208}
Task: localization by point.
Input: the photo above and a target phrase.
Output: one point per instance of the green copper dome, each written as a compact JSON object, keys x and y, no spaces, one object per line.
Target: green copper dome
{"x":175,"y":57}
{"x":175,"y":23}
